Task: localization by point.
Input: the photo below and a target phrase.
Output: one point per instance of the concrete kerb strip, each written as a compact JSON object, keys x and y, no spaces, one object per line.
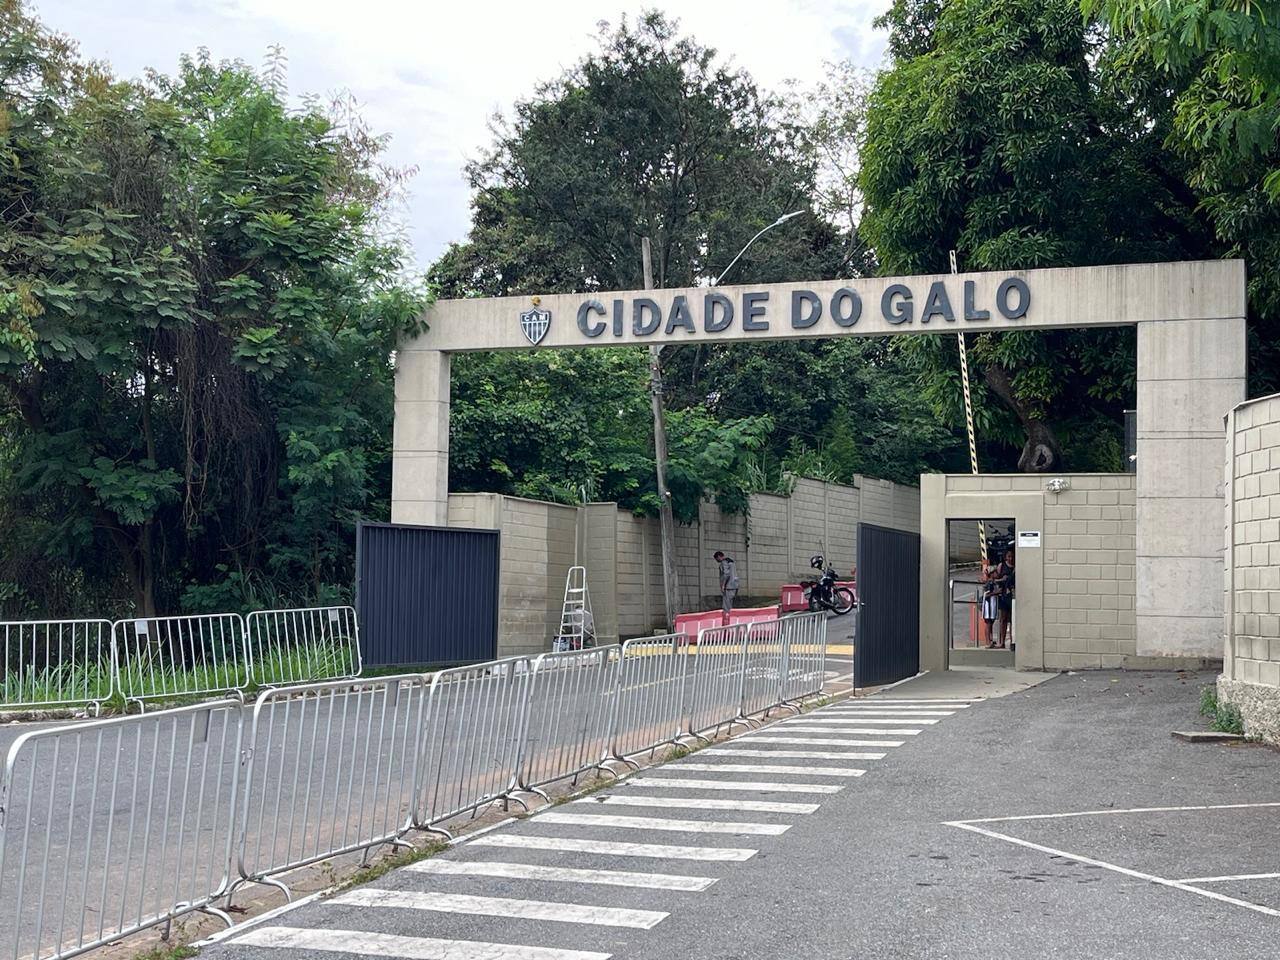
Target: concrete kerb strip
{"x":231,"y":933}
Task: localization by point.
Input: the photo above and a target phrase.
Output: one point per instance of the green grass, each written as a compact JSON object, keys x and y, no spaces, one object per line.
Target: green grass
{"x":145,"y":677}
{"x":1223,"y":717}
{"x":375,"y":870}
{"x":58,"y":684}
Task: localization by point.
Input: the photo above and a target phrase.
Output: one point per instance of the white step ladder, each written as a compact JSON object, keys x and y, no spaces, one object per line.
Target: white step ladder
{"x":577,"y":624}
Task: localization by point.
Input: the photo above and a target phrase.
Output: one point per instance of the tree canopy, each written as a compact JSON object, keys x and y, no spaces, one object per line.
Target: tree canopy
{"x":198,"y":317}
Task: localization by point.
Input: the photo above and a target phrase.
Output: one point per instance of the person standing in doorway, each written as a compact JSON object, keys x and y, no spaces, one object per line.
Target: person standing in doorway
{"x":1006,"y":583}
{"x":728,"y":581}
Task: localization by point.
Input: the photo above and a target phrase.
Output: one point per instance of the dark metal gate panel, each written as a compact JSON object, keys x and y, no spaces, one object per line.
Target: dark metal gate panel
{"x":887,"y":644}
{"x":426,"y":594}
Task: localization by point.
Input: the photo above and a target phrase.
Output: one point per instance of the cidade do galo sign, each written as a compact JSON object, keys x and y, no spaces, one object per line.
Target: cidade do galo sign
{"x":716,"y":312}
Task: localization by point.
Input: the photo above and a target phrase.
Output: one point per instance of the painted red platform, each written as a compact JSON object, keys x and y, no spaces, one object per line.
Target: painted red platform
{"x":793,"y":595}
{"x":690,"y":623}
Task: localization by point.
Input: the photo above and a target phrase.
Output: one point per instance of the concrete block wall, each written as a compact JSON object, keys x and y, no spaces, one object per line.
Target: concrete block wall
{"x":1088,"y":582}
{"x":1088,"y":560}
{"x":1251,"y":654}
{"x":623,"y":553}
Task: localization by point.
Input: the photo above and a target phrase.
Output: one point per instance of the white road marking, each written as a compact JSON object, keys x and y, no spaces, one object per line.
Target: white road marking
{"x":1238,"y":876}
{"x":818,"y":728}
{"x":747,"y":786}
{"x":870,"y":716}
{"x":698,"y":803}
{"x":873,"y":701}
{"x":827,"y":741}
{"x":1137,"y":874}
{"x":1126,"y":810}
{"x":616,"y":848}
{"x":834,"y":722}
{"x":502,"y":907}
{"x":663,"y":823}
{"x":795,"y":754}
{"x":530,"y":871}
{"x":770,"y":768}
{"x":410,"y":948}
{"x":829,"y":716}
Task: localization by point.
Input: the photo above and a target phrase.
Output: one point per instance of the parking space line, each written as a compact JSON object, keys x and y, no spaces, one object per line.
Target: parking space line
{"x":771,"y":768}
{"x":1127,"y":810}
{"x":531,"y":871}
{"x":746,"y":786}
{"x":1115,"y":868}
{"x":796,"y":754}
{"x":667,"y":824}
{"x":616,"y":848}
{"x":411,"y":948}
{"x":700,"y":803}
{"x":1238,"y":876}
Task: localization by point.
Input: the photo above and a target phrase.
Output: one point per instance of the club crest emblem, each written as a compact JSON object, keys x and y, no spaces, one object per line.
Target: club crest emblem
{"x":535,"y":324}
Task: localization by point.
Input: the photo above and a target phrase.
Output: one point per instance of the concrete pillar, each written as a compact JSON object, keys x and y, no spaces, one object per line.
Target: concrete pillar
{"x":1190,"y":374}
{"x":420,"y":453}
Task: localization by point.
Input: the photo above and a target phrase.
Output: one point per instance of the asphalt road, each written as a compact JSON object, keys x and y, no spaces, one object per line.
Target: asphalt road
{"x":886,"y":865}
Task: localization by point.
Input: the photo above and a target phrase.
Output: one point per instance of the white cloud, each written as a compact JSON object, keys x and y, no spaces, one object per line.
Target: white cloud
{"x":433,"y":74}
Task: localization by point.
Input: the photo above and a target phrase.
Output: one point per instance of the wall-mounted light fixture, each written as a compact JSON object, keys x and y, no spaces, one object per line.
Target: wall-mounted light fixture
{"x":1058,"y":485}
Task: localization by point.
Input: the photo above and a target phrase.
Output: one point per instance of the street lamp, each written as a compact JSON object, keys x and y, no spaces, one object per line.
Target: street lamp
{"x":715,"y":281}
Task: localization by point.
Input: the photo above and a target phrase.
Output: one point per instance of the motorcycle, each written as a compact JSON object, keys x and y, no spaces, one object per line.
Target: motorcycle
{"x":823,"y":594}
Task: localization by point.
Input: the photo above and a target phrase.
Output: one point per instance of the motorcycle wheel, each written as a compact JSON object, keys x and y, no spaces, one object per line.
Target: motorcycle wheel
{"x":844,"y":601}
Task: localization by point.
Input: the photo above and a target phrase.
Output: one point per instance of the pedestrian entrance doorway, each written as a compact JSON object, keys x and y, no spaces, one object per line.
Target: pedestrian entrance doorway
{"x":982,"y":592}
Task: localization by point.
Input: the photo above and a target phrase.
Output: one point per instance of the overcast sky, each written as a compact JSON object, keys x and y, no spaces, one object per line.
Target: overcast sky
{"x":432,"y":74}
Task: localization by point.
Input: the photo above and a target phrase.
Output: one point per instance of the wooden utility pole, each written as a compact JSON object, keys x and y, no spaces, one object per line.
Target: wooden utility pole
{"x":666,"y":519}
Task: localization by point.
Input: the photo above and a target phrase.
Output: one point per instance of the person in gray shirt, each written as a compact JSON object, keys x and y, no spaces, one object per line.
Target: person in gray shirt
{"x":728,"y":580}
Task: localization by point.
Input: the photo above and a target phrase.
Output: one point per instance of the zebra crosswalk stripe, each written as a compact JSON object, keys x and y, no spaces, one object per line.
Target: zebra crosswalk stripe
{"x":771,"y":768}
{"x":531,"y":871}
{"x":796,"y":754}
{"x":409,"y":948}
{"x":615,"y":848}
{"x":502,"y":907}
{"x":743,"y":786}
{"x":666,"y":824}
{"x":824,"y":741}
{"x":698,"y":803}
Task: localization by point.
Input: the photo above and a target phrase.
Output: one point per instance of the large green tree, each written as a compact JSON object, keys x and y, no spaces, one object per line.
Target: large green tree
{"x":1216,"y":64}
{"x":655,"y":136}
{"x":998,"y":133}
{"x":197,"y":318}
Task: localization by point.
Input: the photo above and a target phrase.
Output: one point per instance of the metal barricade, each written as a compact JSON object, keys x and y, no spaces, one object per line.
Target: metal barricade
{"x":472,"y":749}
{"x":303,"y":645}
{"x":649,"y":705}
{"x":805,"y":670}
{"x":111,"y":826}
{"x":166,"y":657}
{"x":764,"y":664}
{"x":51,"y":663}
{"x":715,"y":694}
{"x":331,"y":768}
{"x":568,"y":716}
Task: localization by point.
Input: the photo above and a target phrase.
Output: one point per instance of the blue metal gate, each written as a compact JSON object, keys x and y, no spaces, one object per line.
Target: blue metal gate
{"x":887,"y":646}
{"x":426,"y":595}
